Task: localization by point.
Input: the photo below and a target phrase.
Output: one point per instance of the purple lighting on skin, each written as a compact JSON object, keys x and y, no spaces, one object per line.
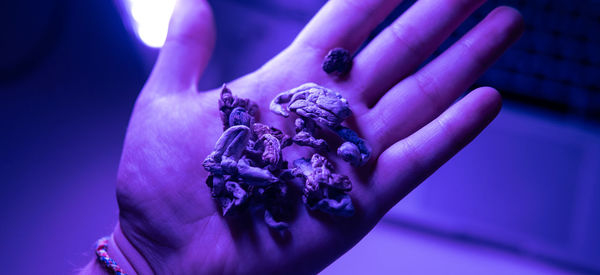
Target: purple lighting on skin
{"x":150,"y":19}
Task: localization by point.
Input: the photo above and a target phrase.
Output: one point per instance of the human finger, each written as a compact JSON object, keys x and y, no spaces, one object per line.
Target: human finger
{"x":405,"y":164}
{"x":422,"y":96}
{"x":187,"y":49}
{"x":343,"y":23}
{"x":405,"y":44}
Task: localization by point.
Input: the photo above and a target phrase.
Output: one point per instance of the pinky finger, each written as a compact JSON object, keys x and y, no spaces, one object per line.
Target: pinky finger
{"x":408,"y":162}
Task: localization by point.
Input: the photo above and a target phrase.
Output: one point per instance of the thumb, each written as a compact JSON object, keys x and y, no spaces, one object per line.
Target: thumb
{"x":186,"y":51}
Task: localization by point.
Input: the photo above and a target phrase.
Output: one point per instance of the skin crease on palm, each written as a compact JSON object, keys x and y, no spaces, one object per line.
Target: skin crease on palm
{"x":168,"y":222}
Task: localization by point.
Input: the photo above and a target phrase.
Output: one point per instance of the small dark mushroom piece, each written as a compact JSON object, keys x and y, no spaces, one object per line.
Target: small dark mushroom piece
{"x":337,"y":62}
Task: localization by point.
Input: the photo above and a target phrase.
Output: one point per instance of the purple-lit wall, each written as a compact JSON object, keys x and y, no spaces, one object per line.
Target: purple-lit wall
{"x":63,"y":118}
{"x":64,"y":114}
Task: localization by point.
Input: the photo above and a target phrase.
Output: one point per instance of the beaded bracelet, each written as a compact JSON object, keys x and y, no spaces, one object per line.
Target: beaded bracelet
{"x":106,"y":260}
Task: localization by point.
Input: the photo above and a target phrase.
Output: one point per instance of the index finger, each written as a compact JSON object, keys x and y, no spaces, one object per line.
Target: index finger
{"x":344,"y":23}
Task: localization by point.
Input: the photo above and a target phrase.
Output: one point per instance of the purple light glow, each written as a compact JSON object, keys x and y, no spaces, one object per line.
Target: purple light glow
{"x":150,"y":19}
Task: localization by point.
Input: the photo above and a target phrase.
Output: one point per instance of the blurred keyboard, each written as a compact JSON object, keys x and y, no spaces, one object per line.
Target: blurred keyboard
{"x":555,"y":65}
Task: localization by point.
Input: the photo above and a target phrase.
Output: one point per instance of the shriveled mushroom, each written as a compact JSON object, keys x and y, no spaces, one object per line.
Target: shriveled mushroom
{"x":323,"y":189}
{"x":317,"y":105}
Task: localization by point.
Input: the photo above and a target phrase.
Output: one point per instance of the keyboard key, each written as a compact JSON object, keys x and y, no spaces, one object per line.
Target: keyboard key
{"x":592,"y":53}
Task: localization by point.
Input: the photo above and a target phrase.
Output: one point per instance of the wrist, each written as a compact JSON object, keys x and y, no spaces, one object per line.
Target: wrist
{"x":126,"y":255}
{"x":93,"y":267}
{"x":110,"y":251}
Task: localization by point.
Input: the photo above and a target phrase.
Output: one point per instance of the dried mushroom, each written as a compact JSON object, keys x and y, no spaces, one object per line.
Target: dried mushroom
{"x":247,"y":168}
{"x":323,"y":189}
{"x":234,"y":110}
{"x":245,"y":164}
{"x":317,"y":105}
{"x":338,"y":62}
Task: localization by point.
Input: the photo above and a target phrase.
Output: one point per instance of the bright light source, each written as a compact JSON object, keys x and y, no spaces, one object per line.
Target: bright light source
{"x":150,"y":19}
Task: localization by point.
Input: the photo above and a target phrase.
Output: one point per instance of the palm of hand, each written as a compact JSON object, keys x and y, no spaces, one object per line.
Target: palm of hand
{"x":166,"y":210}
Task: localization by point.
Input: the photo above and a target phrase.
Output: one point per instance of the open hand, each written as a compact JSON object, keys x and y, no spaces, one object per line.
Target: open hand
{"x":168,"y":220}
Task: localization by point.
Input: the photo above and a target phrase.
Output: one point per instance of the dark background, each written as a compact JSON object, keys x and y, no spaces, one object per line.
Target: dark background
{"x":70,"y":75}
